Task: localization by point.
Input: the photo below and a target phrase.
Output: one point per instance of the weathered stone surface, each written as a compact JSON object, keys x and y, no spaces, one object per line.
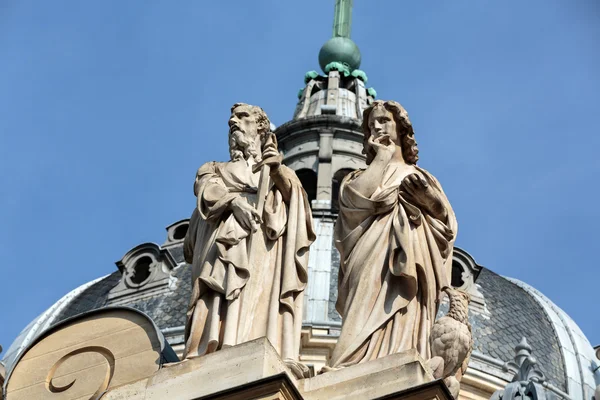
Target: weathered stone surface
{"x":391,"y":268}
{"x":370,"y":380}
{"x":254,"y":370}
{"x":209,"y":375}
{"x":248,"y":246}
{"x":452,"y":342}
{"x":88,"y":355}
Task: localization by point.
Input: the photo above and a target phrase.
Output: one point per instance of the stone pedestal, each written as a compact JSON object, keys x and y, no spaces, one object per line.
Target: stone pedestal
{"x":254,"y":371}
{"x":387,"y":377}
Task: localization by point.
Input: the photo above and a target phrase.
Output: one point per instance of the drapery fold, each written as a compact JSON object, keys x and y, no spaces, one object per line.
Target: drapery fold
{"x":394,"y":260}
{"x":237,"y":297}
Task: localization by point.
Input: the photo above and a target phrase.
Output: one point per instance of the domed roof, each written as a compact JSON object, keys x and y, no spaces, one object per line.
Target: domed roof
{"x":508,"y":310}
{"x":581,"y":362}
{"x":509,"y":315}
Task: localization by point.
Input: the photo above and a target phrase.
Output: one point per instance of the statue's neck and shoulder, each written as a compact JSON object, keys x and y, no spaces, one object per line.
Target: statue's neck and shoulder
{"x":236,"y":173}
{"x":395,"y":172}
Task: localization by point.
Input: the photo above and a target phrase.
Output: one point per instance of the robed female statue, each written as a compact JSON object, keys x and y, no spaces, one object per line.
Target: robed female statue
{"x":395,"y":234}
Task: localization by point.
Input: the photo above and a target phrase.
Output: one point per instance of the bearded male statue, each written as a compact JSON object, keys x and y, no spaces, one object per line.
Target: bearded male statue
{"x":395,"y":233}
{"x":249,"y":255}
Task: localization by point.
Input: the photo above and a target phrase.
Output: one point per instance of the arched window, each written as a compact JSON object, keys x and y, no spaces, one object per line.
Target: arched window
{"x":308,"y":177}
{"x":464,"y":270}
{"x":338,"y":177}
{"x":180,"y":232}
{"x":457,"y":274}
{"x":176,"y":232}
{"x":145,"y":271}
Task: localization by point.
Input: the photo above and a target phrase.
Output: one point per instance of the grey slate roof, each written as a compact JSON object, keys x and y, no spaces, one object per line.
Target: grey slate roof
{"x":166,"y":310}
{"x":515,"y":314}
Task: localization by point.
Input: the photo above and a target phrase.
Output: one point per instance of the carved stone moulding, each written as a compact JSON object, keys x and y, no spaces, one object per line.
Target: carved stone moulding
{"x":465,"y":272}
{"x":276,"y":387}
{"x":145,"y":269}
{"x":85,"y":356}
{"x":176,"y":232}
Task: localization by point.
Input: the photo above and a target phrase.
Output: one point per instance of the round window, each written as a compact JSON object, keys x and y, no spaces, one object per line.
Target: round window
{"x":180,"y":232}
{"x":141,"y":270}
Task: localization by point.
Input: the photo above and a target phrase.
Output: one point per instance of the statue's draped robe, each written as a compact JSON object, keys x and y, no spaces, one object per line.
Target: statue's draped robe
{"x":236,"y":299}
{"x":394,"y":259}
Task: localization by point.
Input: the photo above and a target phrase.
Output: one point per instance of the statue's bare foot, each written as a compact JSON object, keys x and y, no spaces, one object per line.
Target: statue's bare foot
{"x":299,"y":370}
{"x":453,"y":386}
{"x":326,"y":369}
{"x":437,"y":366}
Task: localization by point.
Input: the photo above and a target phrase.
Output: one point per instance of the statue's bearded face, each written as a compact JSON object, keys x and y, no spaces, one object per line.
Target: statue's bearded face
{"x":243,"y":133}
{"x":381,"y":122}
{"x":243,"y":120}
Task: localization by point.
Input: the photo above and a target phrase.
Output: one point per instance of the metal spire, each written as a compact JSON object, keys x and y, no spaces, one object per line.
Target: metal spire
{"x":342,"y":22}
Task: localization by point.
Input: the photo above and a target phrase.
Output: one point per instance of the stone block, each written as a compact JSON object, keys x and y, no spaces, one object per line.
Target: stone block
{"x":371,"y":380}
{"x":254,"y":371}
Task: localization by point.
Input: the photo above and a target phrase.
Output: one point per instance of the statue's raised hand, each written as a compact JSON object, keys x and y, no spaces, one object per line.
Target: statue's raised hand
{"x":415,"y":188}
{"x":270,"y":154}
{"x":245,"y":214}
{"x":272,"y":158}
{"x":384,"y":147}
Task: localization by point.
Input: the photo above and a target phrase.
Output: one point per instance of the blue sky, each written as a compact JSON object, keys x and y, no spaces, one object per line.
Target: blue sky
{"x":107,"y":109}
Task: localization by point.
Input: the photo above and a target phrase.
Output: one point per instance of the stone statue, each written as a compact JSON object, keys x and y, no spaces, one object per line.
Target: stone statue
{"x":395,"y":233}
{"x":248,"y":244}
{"x":452,"y":341}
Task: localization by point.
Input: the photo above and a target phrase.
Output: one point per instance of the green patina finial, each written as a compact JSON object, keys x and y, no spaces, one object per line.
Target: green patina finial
{"x":340,"y":48}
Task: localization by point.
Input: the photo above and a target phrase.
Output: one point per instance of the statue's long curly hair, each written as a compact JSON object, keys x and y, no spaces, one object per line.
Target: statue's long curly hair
{"x":406,"y":135}
{"x":236,"y":150}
